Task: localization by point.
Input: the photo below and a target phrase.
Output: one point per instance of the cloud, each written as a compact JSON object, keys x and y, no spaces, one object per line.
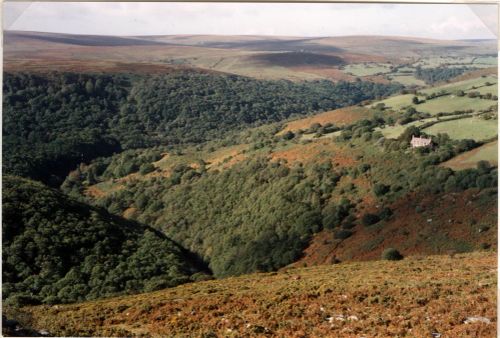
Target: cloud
{"x":294,"y":19}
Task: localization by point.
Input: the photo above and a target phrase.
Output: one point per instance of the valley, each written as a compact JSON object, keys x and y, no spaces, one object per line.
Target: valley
{"x":249,"y":185}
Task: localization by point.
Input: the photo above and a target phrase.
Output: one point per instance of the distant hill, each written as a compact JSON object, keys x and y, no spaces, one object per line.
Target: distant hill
{"x":38,"y":51}
{"x":11,"y":38}
{"x":58,"y":250}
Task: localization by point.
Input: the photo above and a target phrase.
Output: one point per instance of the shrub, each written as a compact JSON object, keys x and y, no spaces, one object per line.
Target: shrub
{"x":342,"y":234}
{"x":391,"y":254}
{"x":146,"y":168}
{"x":370,"y":219}
{"x":386,"y":213}
{"x":288,"y":135}
{"x":381,"y":189}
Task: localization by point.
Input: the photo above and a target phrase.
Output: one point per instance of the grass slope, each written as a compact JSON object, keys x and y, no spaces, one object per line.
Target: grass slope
{"x":420,"y":297}
{"x":487,"y":152}
{"x":470,"y":128}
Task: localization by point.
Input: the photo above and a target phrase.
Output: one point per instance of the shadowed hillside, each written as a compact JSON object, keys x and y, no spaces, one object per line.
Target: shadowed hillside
{"x":58,"y":250}
{"x":295,"y":59}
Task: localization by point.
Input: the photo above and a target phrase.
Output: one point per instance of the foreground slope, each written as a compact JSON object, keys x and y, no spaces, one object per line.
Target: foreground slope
{"x":57,"y":250}
{"x":416,"y":297}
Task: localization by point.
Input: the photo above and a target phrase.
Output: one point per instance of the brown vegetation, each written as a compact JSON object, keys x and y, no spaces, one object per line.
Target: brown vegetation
{"x":415,"y":297}
{"x":338,"y":117}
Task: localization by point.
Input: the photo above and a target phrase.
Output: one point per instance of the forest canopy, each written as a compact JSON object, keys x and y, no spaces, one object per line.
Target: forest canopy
{"x":53,"y":122}
{"x":58,"y":250}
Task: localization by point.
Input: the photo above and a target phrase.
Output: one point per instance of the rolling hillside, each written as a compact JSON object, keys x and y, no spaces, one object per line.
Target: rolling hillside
{"x":262,"y":57}
{"x":280,"y":166}
{"x":420,"y":296}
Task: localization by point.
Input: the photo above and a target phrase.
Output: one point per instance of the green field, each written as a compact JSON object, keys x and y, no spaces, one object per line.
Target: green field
{"x":486,"y":60}
{"x":461,"y":85}
{"x":451,"y":103}
{"x":367,"y":69}
{"x":396,"y":102}
{"x":396,"y":130}
{"x":469,"y":128}
{"x":493,"y":90}
{"x":469,"y":159}
{"x":447,"y":104}
{"x":406,"y":79}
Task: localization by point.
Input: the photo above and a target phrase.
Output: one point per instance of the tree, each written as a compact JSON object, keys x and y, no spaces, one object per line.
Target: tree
{"x":381,"y":189}
{"x":391,"y":254}
{"x":288,"y":135}
{"x":89,"y":87}
{"x":370,"y":219}
{"x":146,"y":168}
{"x":415,"y":100}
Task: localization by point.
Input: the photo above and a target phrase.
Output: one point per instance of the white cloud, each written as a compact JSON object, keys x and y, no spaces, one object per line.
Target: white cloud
{"x":313,"y":19}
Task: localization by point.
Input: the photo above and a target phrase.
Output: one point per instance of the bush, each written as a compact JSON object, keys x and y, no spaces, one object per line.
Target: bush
{"x":386,"y":213}
{"x":342,"y":234}
{"x":146,"y":168}
{"x":370,"y":219}
{"x":391,"y":254}
{"x":288,"y":135}
{"x":381,"y":189}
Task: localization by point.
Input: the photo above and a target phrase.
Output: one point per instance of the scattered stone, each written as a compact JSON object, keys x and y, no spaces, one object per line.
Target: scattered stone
{"x":44,"y":333}
{"x":352,"y":317}
{"x":436,"y":334}
{"x":477,"y":319}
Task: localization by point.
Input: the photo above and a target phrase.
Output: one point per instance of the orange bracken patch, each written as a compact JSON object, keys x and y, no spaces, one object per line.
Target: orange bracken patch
{"x":337,"y":117}
{"x":433,"y":224}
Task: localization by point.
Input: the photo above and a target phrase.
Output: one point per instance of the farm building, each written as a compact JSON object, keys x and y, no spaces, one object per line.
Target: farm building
{"x":417,"y":142}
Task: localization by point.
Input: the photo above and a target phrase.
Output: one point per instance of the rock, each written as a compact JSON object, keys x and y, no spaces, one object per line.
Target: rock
{"x":477,"y":319}
{"x":44,"y":332}
{"x":436,"y":334}
{"x":352,"y":317}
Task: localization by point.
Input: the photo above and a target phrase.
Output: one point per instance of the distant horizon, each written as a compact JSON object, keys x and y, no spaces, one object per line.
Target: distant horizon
{"x":424,"y":21}
{"x":255,"y":35}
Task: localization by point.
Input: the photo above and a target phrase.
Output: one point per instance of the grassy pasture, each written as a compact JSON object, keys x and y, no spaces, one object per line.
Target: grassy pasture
{"x":493,"y":89}
{"x":406,"y":79}
{"x":486,"y":60}
{"x":469,"y":128}
{"x":396,"y":130}
{"x":469,"y":159}
{"x":461,"y":85}
{"x":366,"y":69}
{"x":451,"y":103}
{"x":396,"y":102}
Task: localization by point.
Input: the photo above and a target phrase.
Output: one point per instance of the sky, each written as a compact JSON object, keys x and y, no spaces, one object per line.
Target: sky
{"x":449,"y":21}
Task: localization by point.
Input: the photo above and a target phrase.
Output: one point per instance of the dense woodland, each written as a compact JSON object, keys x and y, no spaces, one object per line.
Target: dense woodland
{"x":51,"y":123}
{"x":260,"y":214}
{"x":439,"y":74}
{"x":57,"y":250}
